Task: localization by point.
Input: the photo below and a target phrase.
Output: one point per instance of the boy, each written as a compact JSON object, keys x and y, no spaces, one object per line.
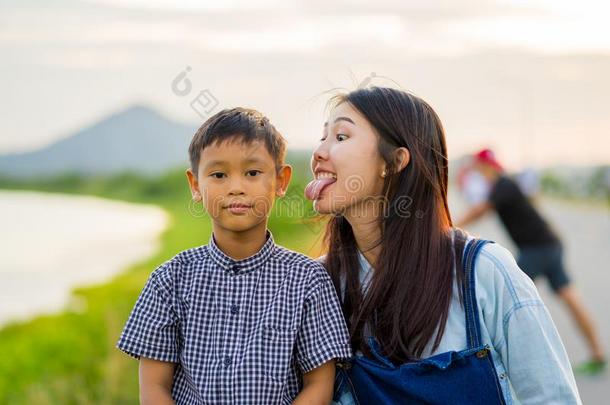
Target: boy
{"x":240,"y":320}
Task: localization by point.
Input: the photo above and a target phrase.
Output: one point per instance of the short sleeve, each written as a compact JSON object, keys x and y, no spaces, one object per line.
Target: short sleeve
{"x":323,"y":334}
{"x":152,"y":329}
{"x":502,"y":192}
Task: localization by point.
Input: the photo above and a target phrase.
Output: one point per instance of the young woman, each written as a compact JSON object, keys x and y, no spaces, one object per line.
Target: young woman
{"x":424,"y":329}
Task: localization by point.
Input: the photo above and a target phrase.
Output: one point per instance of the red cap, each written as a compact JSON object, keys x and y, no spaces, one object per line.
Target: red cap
{"x":487,"y":156}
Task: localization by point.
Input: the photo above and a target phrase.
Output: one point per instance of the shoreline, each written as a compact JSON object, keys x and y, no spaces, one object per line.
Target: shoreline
{"x":57,"y":243}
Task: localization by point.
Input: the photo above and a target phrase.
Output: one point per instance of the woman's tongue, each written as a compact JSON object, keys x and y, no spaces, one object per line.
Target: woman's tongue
{"x":315,"y":187}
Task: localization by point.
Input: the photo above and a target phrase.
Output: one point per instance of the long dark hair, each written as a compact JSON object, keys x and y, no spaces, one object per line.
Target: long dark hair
{"x":407,"y":301}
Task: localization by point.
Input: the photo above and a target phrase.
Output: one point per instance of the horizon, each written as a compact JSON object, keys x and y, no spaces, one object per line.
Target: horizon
{"x":303,"y":149}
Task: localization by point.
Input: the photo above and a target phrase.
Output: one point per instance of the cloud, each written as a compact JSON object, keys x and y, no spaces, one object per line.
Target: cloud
{"x":420,"y":28}
{"x":478,"y":62}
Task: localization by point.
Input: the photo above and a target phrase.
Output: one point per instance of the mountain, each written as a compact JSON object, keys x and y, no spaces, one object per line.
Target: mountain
{"x":138,"y":139}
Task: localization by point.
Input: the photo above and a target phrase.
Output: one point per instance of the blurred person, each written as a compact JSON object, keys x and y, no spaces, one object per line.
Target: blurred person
{"x":540,"y":249}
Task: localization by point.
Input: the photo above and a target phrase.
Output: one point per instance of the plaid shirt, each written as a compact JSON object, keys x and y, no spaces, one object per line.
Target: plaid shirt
{"x":241,"y":331}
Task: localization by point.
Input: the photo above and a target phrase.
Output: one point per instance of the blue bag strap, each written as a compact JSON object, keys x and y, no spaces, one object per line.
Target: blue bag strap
{"x":473,"y":329}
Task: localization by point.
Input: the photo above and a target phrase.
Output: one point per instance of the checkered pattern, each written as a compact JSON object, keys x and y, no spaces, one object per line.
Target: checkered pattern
{"x":241,"y":331}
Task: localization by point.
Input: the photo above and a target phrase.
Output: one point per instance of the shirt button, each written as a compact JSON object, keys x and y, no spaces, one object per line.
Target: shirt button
{"x":234,"y":309}
{"x":227,"y":361}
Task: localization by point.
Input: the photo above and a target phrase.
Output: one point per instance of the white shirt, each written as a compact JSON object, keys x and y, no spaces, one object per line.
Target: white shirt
{"x":476,"y":187}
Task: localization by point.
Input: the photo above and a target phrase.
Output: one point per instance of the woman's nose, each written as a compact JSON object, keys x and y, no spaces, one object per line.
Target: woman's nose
{"x":320,"y":153}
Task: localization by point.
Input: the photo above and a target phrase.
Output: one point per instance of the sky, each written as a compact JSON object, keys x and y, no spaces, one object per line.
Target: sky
{"x":527,"y":78}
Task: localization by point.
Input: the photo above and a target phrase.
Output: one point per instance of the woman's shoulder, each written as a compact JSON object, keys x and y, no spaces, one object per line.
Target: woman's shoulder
{"x":499,"y":277}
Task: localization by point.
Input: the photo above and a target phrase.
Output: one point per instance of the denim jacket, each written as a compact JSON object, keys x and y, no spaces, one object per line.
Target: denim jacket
{"x":528,"y":354}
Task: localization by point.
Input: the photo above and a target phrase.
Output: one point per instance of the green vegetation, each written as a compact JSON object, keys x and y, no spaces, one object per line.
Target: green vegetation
{"x":589,"y":185}
{"x":69,"y":358}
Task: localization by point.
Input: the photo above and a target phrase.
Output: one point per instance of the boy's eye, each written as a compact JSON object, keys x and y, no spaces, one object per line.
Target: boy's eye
{"x":341,"y":137}
{"x":253,"y":172}
{"x":217,"y":175}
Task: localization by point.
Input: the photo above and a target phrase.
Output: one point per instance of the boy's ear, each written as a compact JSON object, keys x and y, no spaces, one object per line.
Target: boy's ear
{"x":283,"y":180}
{"x":193,"y":185}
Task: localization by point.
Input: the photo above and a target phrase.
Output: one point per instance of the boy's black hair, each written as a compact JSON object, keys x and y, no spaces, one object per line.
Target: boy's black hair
{"x":247,"y":124}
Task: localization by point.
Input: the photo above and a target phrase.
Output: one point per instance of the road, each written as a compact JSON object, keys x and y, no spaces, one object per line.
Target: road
{"x":585,"y":231}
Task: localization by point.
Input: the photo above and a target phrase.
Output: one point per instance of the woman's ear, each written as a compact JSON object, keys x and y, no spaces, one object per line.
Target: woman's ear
{"x":283,"y":180}
{"x":402,"y":158}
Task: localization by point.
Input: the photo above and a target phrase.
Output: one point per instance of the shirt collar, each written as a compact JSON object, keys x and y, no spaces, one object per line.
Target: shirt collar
{"x":364,"y":264}
{"x":366,"y":270}
{"x":242,"y":266}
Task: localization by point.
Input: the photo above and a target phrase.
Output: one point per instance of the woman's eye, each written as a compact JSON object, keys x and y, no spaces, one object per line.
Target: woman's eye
{"x":253,"y":172}
{"x":341,"y":137}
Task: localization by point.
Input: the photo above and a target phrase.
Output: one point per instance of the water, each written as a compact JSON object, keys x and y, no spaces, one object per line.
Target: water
{"x":52,"y":242}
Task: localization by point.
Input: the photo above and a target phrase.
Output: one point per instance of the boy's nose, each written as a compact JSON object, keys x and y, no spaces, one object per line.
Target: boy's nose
{"x":235,"y":191}
{"x":236,"y":187}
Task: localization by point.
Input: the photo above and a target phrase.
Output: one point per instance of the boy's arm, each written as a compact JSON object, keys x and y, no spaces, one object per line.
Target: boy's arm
{"x":156,"y":379}
{"x":317,"y":385}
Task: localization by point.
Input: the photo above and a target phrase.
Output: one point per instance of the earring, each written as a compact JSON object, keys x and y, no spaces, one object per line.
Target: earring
{"x":384,"y":173}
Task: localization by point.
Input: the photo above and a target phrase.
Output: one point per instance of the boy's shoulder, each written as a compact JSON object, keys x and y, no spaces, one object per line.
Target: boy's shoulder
{"x":179,"y":263}
{"x":296,"y":259}
{"x":301,"y":265}
{"x":194,"y":254}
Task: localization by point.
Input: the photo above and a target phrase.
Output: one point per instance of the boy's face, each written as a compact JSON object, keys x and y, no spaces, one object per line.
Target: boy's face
{"x":238,"y":183}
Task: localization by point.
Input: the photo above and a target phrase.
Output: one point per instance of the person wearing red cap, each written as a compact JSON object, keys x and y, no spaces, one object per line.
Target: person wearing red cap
{"x":540,"y":249}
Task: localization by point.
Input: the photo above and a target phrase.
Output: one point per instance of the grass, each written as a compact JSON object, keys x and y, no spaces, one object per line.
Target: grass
{"x":69,"y":357}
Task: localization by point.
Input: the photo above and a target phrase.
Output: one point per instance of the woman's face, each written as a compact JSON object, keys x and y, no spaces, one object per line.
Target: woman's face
{"x":348,"y":153}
